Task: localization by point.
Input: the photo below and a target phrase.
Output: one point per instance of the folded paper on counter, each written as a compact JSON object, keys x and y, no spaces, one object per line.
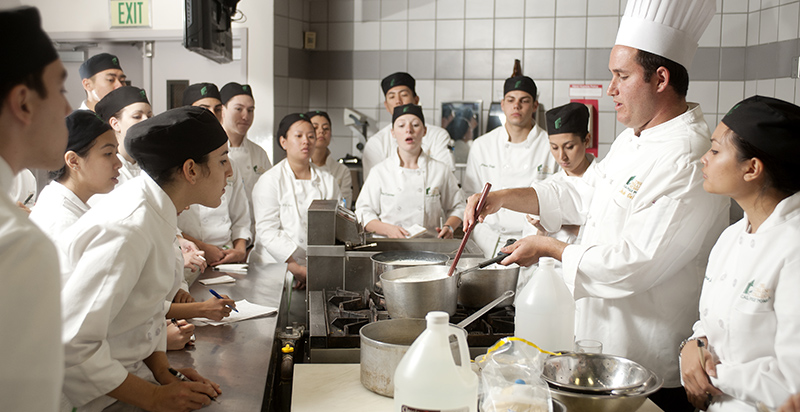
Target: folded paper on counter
{"x":217,"y":280}
{"x":246,"y":310}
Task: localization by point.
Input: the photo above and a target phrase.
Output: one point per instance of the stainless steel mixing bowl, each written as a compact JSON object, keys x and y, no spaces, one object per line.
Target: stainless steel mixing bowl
{"x":594,"y":373}
{"x":583,"y":402}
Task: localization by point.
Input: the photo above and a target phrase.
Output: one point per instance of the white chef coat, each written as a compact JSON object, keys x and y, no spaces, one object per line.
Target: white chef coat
{"x":404,"y":197}
{"x":637,"y":272}
{"x":22,"y":187}
{"x":750,"y":312}
{"x":221,"y":225}
{"x":119,"y":267}
{"x":84,"y":106}
{"x":57,"y":209}
{"x":32,"y":358}
{"x":343,"y":178}
{"x":251,"y":161}
{"x":494,"y":159}
{"x":436,"y":143}
{"x":281,"y":204}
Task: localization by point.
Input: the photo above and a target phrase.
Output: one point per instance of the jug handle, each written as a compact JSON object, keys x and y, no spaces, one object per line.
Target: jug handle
{"x":463,"y":349}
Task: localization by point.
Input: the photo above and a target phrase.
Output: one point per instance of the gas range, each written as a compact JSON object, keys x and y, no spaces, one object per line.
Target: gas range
{"x":336,"y":316}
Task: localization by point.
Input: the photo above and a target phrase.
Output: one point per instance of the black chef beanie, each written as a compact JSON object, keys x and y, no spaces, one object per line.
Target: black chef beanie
{"x":119,"y":99}
{"x":232,"y":89}
{"x":398,"y":79}
{"x":770,"y":125}
{"x":522,"y":83}
{"x":289,"y":120}
{"x":319,"y":113}
{"x":98,"y":63}
{"x":570,"y":118}
{"x":167,"y":140}
{"x":25,"y":47}
{"x":408,"y":109}
{"x":84,"y":126}
{"x":200,"y":91}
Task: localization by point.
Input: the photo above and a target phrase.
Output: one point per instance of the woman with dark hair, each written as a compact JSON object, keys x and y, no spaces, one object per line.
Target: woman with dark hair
{"x":119,"y":266}
{"x":744,"y":353}
{"x":91,"y":167}
{"x":322,"y":156}
{"x":282,"y":195}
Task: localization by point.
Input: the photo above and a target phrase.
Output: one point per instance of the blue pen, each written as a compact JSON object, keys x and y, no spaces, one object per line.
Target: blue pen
{"x":217,"y":295}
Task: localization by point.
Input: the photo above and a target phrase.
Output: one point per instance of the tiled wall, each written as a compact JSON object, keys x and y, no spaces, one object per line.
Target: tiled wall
{"x":464,"y":49}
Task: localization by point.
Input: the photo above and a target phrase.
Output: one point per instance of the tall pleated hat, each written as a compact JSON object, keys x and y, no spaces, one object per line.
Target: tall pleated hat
{"x":667,"y":28}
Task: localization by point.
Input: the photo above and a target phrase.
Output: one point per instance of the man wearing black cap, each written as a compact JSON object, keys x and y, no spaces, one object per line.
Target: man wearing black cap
{"x":648,"y":223}
{"x":249,"y":159}
{"x":398,"y":89}
{"x":100,"y":74}
{"x":514,"y":155}
{"x":32,"y":134}
{"x":205,"y":95}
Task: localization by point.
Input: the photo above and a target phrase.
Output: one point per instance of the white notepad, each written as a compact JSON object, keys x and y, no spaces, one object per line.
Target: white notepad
{"x":246,"y":310}
{"x":415,"y":230}
{"x":217,"y":280}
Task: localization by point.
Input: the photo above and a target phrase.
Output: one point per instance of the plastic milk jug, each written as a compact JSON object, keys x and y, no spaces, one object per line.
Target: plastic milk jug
{"x":545,"y":310}
{"x":428,"y":379}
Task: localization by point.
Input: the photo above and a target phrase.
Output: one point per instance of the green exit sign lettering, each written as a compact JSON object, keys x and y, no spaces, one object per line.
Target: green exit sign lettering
{"x":134,"y":13}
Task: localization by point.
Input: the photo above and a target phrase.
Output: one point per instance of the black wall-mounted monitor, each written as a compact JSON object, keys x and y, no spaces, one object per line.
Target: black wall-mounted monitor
{"x":208,"y":28}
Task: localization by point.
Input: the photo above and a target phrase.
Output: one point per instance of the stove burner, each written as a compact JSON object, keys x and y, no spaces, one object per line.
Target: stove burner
{"x":347,"y":312}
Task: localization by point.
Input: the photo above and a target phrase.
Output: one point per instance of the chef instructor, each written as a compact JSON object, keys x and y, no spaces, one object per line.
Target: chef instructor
{"x":648,"y":223}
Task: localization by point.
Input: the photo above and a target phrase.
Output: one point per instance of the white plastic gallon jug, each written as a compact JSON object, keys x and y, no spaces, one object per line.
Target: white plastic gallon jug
{"x":545,"y":310}
{"x":428,"y":379}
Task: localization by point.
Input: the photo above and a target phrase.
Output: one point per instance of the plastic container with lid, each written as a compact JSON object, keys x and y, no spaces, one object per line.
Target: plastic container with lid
{"x":545,"y":310}
{"x":428,"y":379}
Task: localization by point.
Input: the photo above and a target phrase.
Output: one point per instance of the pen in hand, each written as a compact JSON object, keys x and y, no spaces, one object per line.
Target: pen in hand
{"x":185,"y":379}
{"x":218,"y":296}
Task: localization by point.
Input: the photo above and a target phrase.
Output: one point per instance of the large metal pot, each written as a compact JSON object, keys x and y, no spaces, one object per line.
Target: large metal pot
{"x":396,"y":259}
{"x":383,"y":345}
{"x":414,"y":299}
{"x":479,"y":287}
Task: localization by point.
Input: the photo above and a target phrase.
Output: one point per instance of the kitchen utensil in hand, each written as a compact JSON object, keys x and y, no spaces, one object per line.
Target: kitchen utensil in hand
{"x":478,"y":210}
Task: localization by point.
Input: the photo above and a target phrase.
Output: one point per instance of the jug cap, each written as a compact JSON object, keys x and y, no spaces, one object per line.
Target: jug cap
{"x":437,"y":318}
{"x":547,"y":261}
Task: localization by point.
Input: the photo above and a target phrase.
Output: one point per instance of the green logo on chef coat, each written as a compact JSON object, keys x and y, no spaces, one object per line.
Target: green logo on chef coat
{"x":756,"y":294}
{"x":631,"y":187}
{"x":558,"y":123}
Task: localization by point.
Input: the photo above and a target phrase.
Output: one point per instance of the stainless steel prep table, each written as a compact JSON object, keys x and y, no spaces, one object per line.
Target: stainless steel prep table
{"x":240,"y":356}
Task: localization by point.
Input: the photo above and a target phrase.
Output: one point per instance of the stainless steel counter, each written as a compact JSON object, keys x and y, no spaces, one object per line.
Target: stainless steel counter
{"x":239,"y":356}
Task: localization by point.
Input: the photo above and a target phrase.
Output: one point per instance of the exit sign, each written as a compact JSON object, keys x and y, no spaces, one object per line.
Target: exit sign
{"x":134,"y":13}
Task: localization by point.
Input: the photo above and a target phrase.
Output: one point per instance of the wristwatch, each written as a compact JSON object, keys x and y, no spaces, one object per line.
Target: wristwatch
{"x":449,"y":227}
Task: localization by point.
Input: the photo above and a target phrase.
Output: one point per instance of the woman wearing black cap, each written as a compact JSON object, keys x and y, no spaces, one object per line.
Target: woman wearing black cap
{"x":281,"y":197}
{"x":91,"y":167}
{"x":322,"y":155}
{"x":123,"y":108}
{"x":410,"y":189}
{"x":744,"y":353}
{"x":119,"y":266}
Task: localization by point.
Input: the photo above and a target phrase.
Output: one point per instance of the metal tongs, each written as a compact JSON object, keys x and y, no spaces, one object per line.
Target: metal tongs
{"x":497,"y":259}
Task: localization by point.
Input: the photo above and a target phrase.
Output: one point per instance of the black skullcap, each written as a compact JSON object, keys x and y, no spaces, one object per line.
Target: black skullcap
{"x":170,"y":138}
{"x":570,"y":118}
{"x":318,"y":113}
{"x":232,"y":89}
{"x":119,"y":99}
{"x":398,"y":79}
{"x":289,"y":120}
{"x":771,"y":125}
{"x":408,"y":109}
{"x":522,"y":83}
{"x":84,"y":126}
{"x":199,"y":91}
{"x":25,"y":47}
{"x":98,"y":63}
